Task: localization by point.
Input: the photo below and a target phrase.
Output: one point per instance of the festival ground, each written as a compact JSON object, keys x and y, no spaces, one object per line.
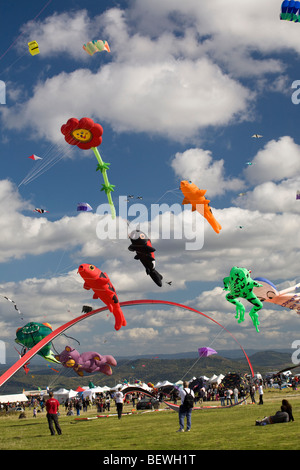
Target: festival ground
{"x":212,"y":429}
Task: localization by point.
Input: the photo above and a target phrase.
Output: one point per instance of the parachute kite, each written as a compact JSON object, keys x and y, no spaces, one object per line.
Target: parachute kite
{"x":87,"y":134}
{"x":205,"y":352}
{"x":141,"y":244}
{"x":84,"y":207}
{"x":31,"y":334}
{"x":89,"y":362}
{"x":103,"y":289}
{"x":267,"y":292}
{"x":195,"y":196}
{"x":33,"y":48}
{"x":240,"y":284}
{"x":96,"y":46}
{"x":290,"y":11}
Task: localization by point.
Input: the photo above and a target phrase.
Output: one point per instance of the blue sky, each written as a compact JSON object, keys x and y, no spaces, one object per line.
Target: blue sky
{"x":179,"y":97}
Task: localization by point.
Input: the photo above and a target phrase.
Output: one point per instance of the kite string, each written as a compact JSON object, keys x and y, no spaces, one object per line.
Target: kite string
{"x":214,"y":338}
{"x":12,"y":44}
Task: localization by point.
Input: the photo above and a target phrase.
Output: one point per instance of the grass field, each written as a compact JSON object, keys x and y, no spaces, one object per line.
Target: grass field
{"x":214,"y":429}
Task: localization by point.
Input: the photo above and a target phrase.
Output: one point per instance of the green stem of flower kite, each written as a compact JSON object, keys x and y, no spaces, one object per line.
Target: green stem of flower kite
{"x":106,"y":187}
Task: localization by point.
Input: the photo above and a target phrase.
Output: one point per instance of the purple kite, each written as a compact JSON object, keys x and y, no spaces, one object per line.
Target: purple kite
{"x":89,"y":362}
{"x":204,"y":352}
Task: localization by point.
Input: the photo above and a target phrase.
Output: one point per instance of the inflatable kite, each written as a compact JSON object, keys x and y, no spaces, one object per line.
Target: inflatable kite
{"x":33,"y":48}
{"x":290,"y":11}
{"x":141,"y":244}
{"x":96,"y":46}
{"x":31,"y":334}
{"x":103,"y":289}
{"x":88,"y":362}
{"x":87,"y":134}
{"x":195,"y":196}
{"x":267,"y":292}
{"x":240,"y":284}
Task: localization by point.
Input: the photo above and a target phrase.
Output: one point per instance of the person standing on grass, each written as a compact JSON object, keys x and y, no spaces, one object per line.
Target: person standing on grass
{"x":119,"y":398}
{"x":52,"y":406}
{"x":261,"y":393}
{"x":185,"y":410}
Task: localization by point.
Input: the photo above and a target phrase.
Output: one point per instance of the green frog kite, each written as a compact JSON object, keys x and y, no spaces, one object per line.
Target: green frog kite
{"x":240,"y":284}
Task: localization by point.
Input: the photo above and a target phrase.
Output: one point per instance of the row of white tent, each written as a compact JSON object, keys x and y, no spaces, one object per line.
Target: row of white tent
{"x":63,"y":394}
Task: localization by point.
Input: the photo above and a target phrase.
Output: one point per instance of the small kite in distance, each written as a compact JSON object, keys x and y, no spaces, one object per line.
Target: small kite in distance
{"x":205,"y":352}
{"x":257,"y":136}
{"x":84,"y":206}
{"x":40,"y":211}
{"x":96,"y":46}
{"x":13,"y":302}
{"x":35,"y":157}
{"x":298,"y":195}
{"x":33,"y":48}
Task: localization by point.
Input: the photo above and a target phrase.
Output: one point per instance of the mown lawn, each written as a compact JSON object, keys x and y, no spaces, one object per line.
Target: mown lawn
{"x":214,"y":429}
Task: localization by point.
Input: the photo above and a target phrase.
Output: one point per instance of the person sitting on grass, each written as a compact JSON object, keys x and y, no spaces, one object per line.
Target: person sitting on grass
{"x":283,"y":416}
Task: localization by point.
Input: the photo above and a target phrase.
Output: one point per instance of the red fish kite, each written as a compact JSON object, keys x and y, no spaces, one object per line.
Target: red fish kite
{"x":99,"y":282}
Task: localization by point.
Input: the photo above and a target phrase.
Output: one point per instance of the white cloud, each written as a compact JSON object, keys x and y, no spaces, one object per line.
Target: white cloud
{"x":279,"y":159}
{"x":163,"y":90}
{"x":199,"y":166}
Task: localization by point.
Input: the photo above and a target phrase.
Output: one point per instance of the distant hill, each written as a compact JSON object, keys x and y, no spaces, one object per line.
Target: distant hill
{"x":147,"y":369}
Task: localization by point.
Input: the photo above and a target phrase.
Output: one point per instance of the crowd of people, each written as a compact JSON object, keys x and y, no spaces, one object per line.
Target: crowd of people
{"x":226,"y":395}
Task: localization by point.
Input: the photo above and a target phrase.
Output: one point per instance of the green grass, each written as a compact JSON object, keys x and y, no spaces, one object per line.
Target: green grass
{"x":214,"y":429}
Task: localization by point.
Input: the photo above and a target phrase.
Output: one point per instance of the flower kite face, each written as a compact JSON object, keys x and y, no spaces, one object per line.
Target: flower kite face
{"x":84,"y":133}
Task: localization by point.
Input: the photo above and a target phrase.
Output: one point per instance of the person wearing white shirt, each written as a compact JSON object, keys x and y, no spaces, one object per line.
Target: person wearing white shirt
{"x":119,"y":398}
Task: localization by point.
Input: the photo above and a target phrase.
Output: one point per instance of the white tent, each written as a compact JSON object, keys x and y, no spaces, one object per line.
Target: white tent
{"x":63,"y":394}
{"x":162,"y":384}
{"x":18,"y":397}
{"x":217,"y":380}
{"x":213,"y":378}
{"x":91,"y":392}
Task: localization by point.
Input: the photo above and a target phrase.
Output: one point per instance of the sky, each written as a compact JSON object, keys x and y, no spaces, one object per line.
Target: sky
{"x":179,"y":96}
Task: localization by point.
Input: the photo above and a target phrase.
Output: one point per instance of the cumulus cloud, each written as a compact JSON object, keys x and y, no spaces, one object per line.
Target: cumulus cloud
{"x":199,"y":166}
{"x":161,"y":87}
{"x":278,"y":160}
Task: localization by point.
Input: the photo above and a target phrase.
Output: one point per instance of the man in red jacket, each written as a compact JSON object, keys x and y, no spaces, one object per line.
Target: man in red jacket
{"x":52,"y":406}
